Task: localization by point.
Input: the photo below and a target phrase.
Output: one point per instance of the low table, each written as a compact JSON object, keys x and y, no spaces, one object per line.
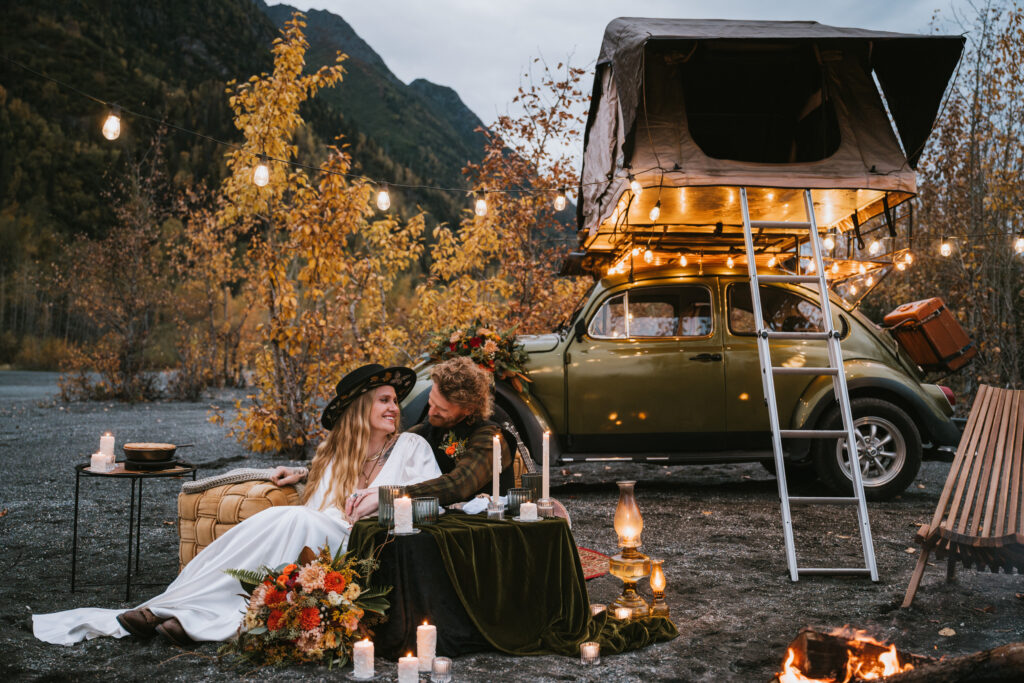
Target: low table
{"x":180,"y":470}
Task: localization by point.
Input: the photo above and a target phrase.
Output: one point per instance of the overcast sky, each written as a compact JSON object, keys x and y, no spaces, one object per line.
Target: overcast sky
{"x":480,"y":47}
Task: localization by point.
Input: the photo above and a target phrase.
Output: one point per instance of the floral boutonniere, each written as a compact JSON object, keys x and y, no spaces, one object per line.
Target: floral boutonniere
{"x":453,"y":447}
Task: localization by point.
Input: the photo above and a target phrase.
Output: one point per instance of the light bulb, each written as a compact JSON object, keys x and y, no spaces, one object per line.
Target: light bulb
{"x":945,"y":248}
{"x":560,"y":200}
{"x":835,"y":267}
{"x":870,"y":281}
{"x":682,"y":260}
{"x":829,"y":243}
{"x":635,"y":185}
{"x":648,"y":256}
{"x":655,"y":211}
{"x":480,"y":208}
{"x":862,"y":269}
{"x":112,"y":126}
{"x":874,"y":247}
{"x":1018,"y":245}
{"x":611,"y":270}
{"x":908,"y":258}
{"x":383,"y":199}
{"x":810,"y":266}
{"x":261,"y":176}
{"x":729,"y":263}
{"x":771,"y":262}
{"x":853,"y":289}
{"x":636,"y":251}
{"x":901,"y":266}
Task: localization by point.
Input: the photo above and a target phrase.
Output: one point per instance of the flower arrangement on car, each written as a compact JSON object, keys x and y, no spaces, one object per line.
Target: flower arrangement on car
{"x":312,"y":610}
{"x":494,"y":351}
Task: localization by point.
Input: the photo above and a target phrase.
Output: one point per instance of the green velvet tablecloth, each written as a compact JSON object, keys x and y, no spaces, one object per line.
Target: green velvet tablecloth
{"x":522,"y":585}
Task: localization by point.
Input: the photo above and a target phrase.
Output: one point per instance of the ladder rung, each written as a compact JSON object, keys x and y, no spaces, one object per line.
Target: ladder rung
{"x":812,"y":433}
{"x":853,"y":571}
{"x":793,"y":279}
{"x":823,"y":500}
{"x":797,"y":335}
{"x":778,"y":370}
{"x":780,"y":225}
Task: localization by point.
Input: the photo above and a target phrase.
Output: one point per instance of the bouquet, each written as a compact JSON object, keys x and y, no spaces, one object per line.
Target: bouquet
{"x":496,"y":352}
{"x":312,"y":610}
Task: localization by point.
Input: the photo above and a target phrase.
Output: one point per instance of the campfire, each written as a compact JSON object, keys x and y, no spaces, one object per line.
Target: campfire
{"x":842,"y":656}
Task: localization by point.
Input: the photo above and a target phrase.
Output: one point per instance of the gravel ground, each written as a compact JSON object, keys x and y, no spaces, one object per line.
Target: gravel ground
{"x":718,"y":528}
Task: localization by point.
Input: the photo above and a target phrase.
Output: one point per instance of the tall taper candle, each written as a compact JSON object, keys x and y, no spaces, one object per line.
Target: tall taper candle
{"x":546,"y":480}
{"x":362,"y":658}
{"x":496,"y":459}
{"x":426,"y":645}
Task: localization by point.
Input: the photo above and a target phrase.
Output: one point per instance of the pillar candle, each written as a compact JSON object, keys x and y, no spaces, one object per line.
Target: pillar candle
{"x":497,"y":467}
{"x":528,"y":512}
{"x":403,"y":515}
{"x":101,"y":463}
{"x":546,"y":480}
{"x":408,"y":669}
{"x":426,"y":644}
{"x":107,"y":444}
{"x":362,"y":658}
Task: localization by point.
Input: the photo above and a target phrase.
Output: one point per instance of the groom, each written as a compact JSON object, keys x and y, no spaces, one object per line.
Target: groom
{"x":460,"y":435}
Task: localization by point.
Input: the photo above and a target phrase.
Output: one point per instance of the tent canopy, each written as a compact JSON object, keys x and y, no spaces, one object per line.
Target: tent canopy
{"x":713,"y":105}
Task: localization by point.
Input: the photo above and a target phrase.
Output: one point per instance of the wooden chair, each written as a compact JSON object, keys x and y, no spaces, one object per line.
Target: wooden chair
{"x":978,"y":520}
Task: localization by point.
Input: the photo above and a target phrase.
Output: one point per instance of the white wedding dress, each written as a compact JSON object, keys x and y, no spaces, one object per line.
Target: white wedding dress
{"x":208,"y":602}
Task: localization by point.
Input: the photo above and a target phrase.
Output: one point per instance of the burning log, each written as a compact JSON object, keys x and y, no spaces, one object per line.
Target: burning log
{"x":849,"y":656}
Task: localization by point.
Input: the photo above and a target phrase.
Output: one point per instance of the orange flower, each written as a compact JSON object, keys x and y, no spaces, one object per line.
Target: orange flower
{"x":334,"y":582}
{"x":450,"y":450}
{"x":289,"y":569}
{"x":274,"y":597}
{"x":275,"y":619}
{"x":310,"y":618}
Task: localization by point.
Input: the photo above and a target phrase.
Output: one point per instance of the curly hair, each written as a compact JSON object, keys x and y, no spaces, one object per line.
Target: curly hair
{"x":465,"y":384}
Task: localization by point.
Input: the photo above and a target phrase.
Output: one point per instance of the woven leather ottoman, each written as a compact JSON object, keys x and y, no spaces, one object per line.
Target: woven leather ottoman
{"x":205,"y":516}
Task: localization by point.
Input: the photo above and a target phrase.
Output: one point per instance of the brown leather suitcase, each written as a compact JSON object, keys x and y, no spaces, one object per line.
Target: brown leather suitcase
{"x":930,"y":334}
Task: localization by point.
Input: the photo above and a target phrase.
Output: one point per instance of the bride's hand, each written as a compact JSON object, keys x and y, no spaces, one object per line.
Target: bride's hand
{"x":361,"y":504}
{"x":283,"y":476}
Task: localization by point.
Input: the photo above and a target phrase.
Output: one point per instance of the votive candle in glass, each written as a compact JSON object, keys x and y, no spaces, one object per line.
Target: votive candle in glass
{"x":403,"y":515}
{"x":596,"y":608}
{"x":623,"y":613}
{"x":441,"y":671}
{"x":362,"y":658}
{"x":590,"y":653}
{"x":107,"y":444}
{"x":426,"y":644}
{"x":408,"y":669}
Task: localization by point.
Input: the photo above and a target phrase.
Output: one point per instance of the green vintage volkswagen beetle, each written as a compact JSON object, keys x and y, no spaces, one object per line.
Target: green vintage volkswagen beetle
{"x":663,"y":368}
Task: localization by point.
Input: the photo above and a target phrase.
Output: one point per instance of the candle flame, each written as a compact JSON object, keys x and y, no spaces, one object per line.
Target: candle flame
{"x":426,"y":623}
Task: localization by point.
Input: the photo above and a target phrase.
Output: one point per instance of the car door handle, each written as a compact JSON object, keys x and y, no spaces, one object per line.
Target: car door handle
{"x":707,"y":357}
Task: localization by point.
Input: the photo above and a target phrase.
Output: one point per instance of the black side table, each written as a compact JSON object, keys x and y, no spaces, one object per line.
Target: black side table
{"x":180,"y":470}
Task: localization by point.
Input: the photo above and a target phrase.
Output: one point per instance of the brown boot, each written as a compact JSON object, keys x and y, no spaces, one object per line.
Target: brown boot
{"x":173,"y":631}
{"x":139,"y":622}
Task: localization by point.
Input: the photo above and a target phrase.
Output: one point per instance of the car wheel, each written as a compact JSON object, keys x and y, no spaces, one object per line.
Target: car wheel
{"x":889,"y":447}
{"x":798,"y":472}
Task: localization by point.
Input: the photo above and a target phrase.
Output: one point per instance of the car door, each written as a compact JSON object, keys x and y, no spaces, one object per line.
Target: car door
{"x":785,"y":311}
{"x":647,"y":372}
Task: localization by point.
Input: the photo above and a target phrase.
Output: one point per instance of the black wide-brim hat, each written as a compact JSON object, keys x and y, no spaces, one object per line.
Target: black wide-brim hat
{"x":363,"y":379}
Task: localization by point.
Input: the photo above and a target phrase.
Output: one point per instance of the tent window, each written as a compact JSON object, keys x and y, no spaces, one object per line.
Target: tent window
{"x":759,"y":103}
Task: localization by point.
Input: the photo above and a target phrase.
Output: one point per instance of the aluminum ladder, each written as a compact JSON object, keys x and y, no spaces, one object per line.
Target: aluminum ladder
{"x":835,"y":369}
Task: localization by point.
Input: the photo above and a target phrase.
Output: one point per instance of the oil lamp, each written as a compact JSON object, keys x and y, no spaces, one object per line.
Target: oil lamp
{"x":659,"y":608}
{"x":630,"y":565}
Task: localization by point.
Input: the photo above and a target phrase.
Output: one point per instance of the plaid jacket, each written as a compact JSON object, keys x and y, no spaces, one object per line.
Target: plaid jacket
{"x":471,"y":473}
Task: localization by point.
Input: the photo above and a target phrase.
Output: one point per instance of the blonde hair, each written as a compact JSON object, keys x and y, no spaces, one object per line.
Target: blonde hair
{"x":345,"y":448}
{"x":466,"y":384}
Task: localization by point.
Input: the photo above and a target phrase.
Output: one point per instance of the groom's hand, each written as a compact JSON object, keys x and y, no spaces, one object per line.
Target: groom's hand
{"x":283,"y":476}
{"x":361,"y":504}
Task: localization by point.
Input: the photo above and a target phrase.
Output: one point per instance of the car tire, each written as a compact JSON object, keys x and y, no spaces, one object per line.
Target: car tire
{"x":798,"y":472}
{"x":890,"y":450}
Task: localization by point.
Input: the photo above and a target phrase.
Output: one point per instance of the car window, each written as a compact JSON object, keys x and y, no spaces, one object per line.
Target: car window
{"x":654,"y":312}
{"x":784,"y":311}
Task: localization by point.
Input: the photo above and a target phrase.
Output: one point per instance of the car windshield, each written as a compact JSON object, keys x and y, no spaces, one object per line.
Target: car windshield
{"x":563,"y":326}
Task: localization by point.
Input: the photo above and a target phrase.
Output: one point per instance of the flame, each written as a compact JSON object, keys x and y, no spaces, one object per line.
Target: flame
{"x":859,"y":664}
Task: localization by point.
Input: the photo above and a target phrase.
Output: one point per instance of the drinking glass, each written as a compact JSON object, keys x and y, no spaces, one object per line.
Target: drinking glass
{"x":385,"y":504}
{"x":515,"y":498}
{"x":441,"y":670}
{"x":424,"y":510}
{"x":533,"y":481}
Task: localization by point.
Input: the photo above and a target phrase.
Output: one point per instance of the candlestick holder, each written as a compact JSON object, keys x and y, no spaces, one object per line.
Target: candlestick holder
{"x":495,"y":511}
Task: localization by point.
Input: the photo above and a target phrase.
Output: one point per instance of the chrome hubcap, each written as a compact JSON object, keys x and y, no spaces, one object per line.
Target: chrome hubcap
{"x":881,"y":448}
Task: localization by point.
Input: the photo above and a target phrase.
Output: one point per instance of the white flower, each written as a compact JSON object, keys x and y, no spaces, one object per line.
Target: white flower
{"x":335,"y":599}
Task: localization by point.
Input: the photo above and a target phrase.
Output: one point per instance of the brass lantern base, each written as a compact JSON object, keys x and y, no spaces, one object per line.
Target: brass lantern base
{"x":659,"y":608}
{"x":630,"y":566}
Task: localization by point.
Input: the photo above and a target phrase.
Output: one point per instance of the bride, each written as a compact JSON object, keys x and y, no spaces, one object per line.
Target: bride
{"x":363,"y":449}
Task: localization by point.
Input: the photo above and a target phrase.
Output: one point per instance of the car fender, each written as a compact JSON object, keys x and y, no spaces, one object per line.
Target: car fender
{"x":871,"y":378}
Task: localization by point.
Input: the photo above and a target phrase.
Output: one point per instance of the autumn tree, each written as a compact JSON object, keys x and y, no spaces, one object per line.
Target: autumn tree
{"x":503,"y":266}
{"x":320,"y":263}
{"x":972,"y":195}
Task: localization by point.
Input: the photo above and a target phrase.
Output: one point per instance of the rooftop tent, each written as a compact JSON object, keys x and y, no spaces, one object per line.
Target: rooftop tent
{"x":711,"y":105}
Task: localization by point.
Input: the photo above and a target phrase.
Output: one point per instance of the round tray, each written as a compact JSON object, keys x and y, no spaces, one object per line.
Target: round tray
{"x":392,"y":532}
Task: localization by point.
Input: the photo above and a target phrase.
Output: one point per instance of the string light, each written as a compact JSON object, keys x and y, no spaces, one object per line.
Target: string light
{"x":648,"y":256}
{"x":261,"y":176}
{"x":729,"y":263}
{"x":811,"y":267}
{"x":682,"y":260}
{"x":636,"y":251}
{"x":383,"y":199}
{"x":480,"y":208}
{"x":635,"y":186}
{"x":945,"y":248}
{"x":862,"y":269}
{"x":874,"y":247}
{"x":1018,"y":244}
{"x":835,"y":267}
{"x":771,"y":262}
{"x":901,"y":266}
{"x":655,"y":211}
{"x":829,"y":242}
{"x":560,"y":200}
{"x":870,"y":281}
{"x":112,"y":125}
{"x":853,"y":289}
{"x":908,"y":258}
